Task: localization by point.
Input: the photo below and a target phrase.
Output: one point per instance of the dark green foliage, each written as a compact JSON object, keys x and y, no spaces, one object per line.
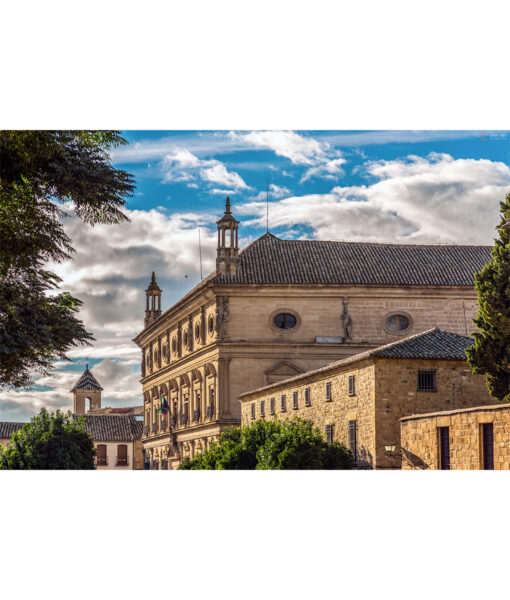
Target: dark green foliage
{"x":292,"y":444}
{"x":50,"y":441}
{"x":490,"y":354}
{"x":39,"y":170}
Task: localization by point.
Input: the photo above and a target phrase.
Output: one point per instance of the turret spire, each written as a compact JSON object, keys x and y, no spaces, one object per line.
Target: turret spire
{"x":227,"y":256}
{"x":153,"y":305}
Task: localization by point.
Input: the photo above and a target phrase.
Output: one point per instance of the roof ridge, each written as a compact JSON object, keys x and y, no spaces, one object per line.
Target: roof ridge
{"x":372,"y":353}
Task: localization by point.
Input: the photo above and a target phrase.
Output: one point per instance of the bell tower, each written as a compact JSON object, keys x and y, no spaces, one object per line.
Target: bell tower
{"x":153,"y":306}
{"x":227,"y":257}
{"x":86,"y":388}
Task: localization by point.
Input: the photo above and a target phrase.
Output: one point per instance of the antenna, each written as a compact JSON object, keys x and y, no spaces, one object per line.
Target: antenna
{"x":267,"y":205}
{"x":200,"y":253}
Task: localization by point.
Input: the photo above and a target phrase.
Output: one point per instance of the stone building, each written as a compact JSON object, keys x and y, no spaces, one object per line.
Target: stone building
{"x":117,"y":439}
{"x":470,"y":438}
{"x":280,"y":308}
{"x":359,"y":400}
{"x":116,"y":433}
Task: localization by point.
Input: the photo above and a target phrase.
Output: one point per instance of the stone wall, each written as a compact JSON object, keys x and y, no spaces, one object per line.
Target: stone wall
{"x":385,"y":391}
{"x":420,"y":438}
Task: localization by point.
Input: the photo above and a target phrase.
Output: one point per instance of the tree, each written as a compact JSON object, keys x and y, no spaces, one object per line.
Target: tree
{"x":40,"y":170}
{"x":50,"y":441}
{"x":490,"y":354}
{"x":289,"y":444}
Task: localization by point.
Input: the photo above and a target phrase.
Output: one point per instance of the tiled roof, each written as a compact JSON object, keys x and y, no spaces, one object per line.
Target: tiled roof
{"x":270,"y":260}
{"x":434,"y":344}
{"x":87,"y":382}
{"x":7,"y":428}
{"x":113,"y":428}
{"x":122,"y":410}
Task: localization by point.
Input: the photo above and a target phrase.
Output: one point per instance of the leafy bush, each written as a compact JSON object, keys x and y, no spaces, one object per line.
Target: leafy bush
{"x":289,"y":444}
{"x":50,"y":441}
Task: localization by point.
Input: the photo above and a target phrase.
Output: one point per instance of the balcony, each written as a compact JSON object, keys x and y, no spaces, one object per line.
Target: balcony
{"x":184,"y":419}
{"x":209,"y":411}
{"x":102,"y":461}
{"x":154,"y":428}
{"x":163,"y":425}
{"x":145,"y":431}
{"x":196,"y":416}
{"x":172,"y":422}
{"x":122,"y":461}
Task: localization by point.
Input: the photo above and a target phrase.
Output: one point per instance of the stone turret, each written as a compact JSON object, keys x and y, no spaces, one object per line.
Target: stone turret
{"x":86,"y":388}
{"x":153,"y":306}
{"x":227,"y":257}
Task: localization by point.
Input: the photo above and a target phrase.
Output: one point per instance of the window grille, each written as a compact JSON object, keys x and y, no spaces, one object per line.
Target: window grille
{"x":329,"y":433}
{"x":307,"y":397}
{"x":328,"y":391}
{"x":262,"y":408}
{"x":488,"y":446}
{"x":271,"y":406}
{"x":427,"y":380}
{"x":444,"y":448}
{"x":253,"y":410}
{"x":283,"y":406}
{"x":295,"y":400}
{"x":352,"y":385}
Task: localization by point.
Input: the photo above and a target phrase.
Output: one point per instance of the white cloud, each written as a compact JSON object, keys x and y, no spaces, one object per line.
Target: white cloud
{"x":323,"y":160}
{"x":181,"y":166}
{"x":435,"y":199}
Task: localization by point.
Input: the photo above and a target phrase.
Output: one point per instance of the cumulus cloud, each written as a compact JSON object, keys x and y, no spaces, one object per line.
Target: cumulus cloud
{"x":433,"y":199}
{"x":322,"y":160}
{"x":182,"y":166}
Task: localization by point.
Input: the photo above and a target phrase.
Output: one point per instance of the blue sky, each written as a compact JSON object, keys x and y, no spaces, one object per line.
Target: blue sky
{"x":384,"y":186}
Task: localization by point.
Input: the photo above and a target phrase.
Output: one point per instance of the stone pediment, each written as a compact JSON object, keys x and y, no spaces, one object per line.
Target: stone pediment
{"x":282,"y":370}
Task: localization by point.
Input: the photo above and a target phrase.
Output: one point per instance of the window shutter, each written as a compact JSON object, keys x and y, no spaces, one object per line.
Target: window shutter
{"x":352,"y":385}
{"x":253,"y":410}
{"x":283,"y":403}
{"x":294,"y":400}
{"x":328,"y":391}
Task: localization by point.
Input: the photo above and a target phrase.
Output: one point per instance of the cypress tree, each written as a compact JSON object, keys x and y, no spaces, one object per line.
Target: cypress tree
{"x":490,"y":354}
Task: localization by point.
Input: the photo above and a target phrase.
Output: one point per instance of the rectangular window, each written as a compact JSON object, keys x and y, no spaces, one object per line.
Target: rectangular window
{"x":271,"y":406}
{"x":283,"y":403}
{"x":295,"y":400}
{"x":308,"y":402}
{"x":444,"y":448}
{"x":330,"y":433}
{"x":101,"y":457}
{"x":427,"y":380}
{"x":352,"y":439}
{"x":262,"y":408}
{"x":352,"y":385}
{"x":253,"y":410}
{"x":122,"y":458}
{"x":488,"y":446}
{"x":328,"y":391}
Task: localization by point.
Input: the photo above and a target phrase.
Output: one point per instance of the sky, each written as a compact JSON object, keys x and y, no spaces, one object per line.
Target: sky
{"x":379,"y":186}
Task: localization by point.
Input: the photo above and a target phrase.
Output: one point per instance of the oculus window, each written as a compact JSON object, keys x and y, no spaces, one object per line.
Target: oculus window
{"x":285,"y":321}
{"x":397,"y":323}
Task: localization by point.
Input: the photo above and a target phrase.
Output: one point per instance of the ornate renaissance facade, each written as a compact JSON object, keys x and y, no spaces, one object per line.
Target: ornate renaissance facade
{"x":278,"y":309}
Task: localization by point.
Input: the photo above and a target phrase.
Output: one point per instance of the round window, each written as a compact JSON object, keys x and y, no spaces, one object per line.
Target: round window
{"x":211,"y":324}
{"x":397,"y":323}
{"x":285,"y":321}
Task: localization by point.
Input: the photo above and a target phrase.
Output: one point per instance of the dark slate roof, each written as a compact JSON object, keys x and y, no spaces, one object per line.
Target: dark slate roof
{"x":7,"y":428}
{"x":113,"y":428}
{"x":87,"y":382}
{"x":270,"y":260}
{"x":434,"y":344}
